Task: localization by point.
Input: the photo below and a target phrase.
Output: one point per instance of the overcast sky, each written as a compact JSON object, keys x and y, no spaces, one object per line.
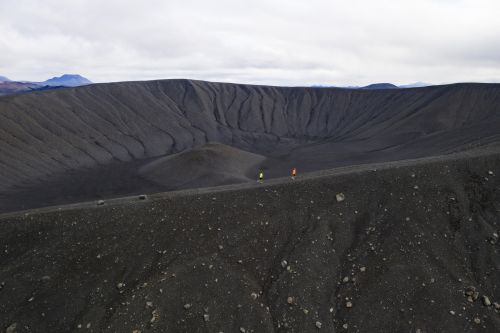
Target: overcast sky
{"x":280,"y":42}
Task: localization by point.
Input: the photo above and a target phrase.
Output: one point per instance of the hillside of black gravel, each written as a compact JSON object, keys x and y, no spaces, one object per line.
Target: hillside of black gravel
{"x":395,"y":247}
{"x":91,"y":142}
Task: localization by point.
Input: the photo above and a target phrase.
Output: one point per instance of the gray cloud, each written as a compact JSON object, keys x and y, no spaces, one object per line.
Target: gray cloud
{"x":266,"y":42}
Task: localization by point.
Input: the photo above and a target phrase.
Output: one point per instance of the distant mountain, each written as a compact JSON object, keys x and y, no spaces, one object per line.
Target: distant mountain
{"x":42,"y":88}
{"x":9,"y":87}
{"x":67,"y":80}
{"x":415,"y":85}
{"x":13,"y":87}
{"x":322,"y":86}
{"x":380,"y":86}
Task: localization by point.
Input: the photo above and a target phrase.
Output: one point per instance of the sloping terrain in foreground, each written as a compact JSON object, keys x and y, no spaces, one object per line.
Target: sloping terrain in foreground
{"x":403,"y":252}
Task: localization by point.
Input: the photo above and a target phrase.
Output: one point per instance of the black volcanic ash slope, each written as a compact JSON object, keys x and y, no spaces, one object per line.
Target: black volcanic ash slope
{"x":47,"y":137}
{"x":399,"y":254}
{"x":209,"y":165}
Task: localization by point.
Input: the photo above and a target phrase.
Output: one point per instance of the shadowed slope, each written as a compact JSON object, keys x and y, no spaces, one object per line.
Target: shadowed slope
{"x":209,"y":165}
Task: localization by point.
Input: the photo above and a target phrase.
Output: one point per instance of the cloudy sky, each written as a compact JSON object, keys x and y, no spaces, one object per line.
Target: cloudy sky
{"x":281,"y":42}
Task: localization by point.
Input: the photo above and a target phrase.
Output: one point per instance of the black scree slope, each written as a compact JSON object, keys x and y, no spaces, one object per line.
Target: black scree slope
{"x":397,"y":247}
{"x":88,"y":142}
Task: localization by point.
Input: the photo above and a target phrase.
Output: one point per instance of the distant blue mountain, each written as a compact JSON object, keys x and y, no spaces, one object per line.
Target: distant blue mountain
{"x":415,"y":85}
{"x":67,"y":80}
{"x":375,"y":86}
{"x":42,"y":88}
{"x":8,"y":87}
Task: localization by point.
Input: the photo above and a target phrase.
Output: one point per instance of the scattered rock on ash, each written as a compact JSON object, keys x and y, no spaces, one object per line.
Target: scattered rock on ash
{"x":154,"y":316}
{"x":12,"y":328}
{"x":469,"y":291}
{"x":486,"y":301}
{"x":494,"y":238}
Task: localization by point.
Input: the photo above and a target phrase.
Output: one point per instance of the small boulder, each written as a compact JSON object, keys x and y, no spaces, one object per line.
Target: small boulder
{"x":12,"y":328}
{"x":469,"y":291}
{"x":494,"y":238}
{"x":154,"y":316}
{"x":318,"y":324}
{"x":486,"y":301}
{"x":340,"y":197}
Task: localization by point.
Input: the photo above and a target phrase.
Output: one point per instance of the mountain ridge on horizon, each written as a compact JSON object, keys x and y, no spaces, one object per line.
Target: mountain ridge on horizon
{"x":77,"y":80}
{"x":12,"y":87}
{"x":68,"y":80}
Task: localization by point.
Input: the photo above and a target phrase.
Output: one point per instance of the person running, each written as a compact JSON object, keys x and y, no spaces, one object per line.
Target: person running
{"x":294,"y":173}
{"x":261,"y":176}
